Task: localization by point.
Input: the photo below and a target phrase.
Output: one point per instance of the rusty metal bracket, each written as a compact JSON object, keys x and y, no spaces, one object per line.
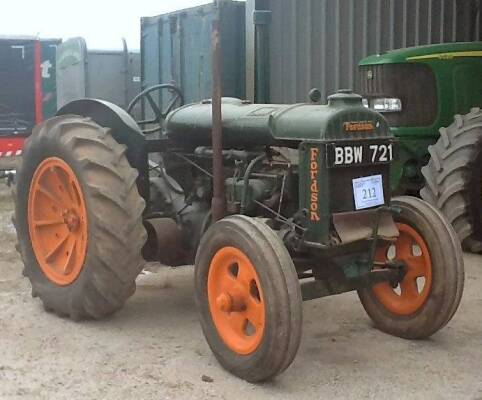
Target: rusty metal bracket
{"x":327,"y":287}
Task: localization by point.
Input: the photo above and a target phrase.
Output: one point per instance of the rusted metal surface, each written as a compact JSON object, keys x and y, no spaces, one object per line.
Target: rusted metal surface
{"x":164,"y":242}
{"x":358,"y":225}
{"x":218,"y":204}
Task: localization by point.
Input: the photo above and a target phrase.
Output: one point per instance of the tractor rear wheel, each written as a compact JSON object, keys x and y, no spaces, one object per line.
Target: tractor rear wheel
{"x":78,"y":216}
{"x":427,"y":297}
{"x":453,"y":177}
{"x":248,"y":298}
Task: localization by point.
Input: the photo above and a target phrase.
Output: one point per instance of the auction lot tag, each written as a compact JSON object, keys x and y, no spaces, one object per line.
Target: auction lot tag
{"x":368,"y":191}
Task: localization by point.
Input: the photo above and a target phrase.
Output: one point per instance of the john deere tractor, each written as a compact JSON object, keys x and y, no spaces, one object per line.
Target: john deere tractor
{"x":431,"y":97}
{"x":92,"y":206}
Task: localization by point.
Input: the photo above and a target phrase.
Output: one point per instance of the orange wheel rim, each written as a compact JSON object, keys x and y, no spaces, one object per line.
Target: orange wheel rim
{"x":57,"y":221}
{"x":414,"y":289}
{"x":236,"y":300}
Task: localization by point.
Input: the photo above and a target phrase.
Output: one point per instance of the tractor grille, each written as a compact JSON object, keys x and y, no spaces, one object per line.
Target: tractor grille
{"x":413,"y":84}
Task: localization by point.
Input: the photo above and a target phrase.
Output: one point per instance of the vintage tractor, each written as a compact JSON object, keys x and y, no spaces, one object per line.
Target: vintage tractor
{"x":432,"y":99}
{"x":92,"y":206}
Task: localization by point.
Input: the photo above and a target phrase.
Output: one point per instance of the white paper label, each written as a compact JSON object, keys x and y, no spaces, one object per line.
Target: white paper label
{"x":368,"y":191}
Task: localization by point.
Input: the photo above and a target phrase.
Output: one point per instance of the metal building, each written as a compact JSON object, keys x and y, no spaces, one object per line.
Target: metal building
{"x":300,"y":44}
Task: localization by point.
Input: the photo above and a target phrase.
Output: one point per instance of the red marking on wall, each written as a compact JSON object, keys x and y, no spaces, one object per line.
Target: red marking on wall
{"x":10,"y":147}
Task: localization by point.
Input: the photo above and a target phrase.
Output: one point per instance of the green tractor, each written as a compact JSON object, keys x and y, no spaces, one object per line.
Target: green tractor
{"x":431,"y":97}
{"x":92,"y":206}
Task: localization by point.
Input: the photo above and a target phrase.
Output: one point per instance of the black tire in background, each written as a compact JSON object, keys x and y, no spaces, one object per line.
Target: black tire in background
{"x":453,"y":177}
{"x":114,"y":212}
{"x":279,"y":284}
{"x":447,"y":275}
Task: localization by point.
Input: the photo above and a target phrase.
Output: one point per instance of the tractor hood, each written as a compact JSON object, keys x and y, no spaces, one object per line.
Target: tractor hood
{"x":433,"y":51}
{"x":254,"y":125}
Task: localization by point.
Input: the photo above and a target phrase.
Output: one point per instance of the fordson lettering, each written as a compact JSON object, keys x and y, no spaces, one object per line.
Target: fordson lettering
{"x":359,"y":126}
{"x":314,"y":184}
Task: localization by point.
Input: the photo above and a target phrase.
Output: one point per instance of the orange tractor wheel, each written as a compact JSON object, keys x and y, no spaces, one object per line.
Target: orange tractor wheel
{"x":248,"y":297}
{"x":429,"y":293}
{"x":78,"y":218}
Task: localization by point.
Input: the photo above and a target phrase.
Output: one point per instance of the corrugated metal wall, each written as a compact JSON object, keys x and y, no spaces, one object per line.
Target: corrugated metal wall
{"x":318,"y":43}
{"x":108,"y":75}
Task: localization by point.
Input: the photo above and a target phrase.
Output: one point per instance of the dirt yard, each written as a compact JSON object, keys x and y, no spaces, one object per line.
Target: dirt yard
{"x":154,"y":347}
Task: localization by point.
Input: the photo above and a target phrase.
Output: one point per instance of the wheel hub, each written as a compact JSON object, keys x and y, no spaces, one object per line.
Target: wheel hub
{"x":71,"y":219}
{"x":228,"y":302}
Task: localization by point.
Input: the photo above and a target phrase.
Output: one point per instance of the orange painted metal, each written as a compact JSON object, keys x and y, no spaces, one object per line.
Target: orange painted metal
{"x":236,"y":300}
{"x":413,"y":251}
{"x":57,"y":221}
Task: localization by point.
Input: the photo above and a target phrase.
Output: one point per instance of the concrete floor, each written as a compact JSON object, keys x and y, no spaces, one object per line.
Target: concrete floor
{"x":154,"y":347}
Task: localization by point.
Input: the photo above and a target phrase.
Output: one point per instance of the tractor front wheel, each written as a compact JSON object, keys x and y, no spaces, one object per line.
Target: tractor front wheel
{"x":248,"y":298}
{"x":429,"y":293}
{"x":78,"y":216}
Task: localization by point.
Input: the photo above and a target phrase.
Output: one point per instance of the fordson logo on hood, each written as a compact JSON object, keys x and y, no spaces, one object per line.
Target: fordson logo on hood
{"x":358,"y":126}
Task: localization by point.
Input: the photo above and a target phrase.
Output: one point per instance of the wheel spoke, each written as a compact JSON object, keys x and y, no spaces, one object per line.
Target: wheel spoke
{"x":254,"y":313}
{"x":170,"y":106}
{"x":238,"y":322}
{"x":71,"y":249}
{"x":47,"y":193}
{"x":56,"y":248}
{"x":154,"y":106}
{"x":416,"y":266}
{"x":245,"y":275}
{"x":409,"y":288}
{"x":67,"y":188}
{"x":48,"y":222}
{"x":403,"y":246}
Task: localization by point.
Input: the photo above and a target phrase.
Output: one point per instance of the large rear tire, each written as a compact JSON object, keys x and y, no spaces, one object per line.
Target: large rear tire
{"x":78,"y":216}
{"x":430,"y":292}
{"x":453,"y":177}
{"x":248,"y":298}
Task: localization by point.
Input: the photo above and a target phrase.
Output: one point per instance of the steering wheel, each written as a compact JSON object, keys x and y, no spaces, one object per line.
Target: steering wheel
{"x":159,"y":114}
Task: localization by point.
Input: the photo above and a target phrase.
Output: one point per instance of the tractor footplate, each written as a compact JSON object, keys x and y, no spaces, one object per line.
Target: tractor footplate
{"x":358,"y":225}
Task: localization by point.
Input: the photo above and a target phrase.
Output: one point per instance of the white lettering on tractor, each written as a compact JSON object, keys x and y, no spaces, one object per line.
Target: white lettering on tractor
{"x":339,"y":155}
{"x":381,"y":152}
{"x":348,"y":155}
{"x":358,"y":154}
{"x":376,"y":153}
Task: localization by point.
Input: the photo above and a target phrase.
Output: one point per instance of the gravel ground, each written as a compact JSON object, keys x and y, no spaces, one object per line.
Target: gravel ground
{"x":154,"y":347}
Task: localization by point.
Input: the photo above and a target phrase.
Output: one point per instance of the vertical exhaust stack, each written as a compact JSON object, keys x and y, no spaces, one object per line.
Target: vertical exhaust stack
{"x":218,"y":205}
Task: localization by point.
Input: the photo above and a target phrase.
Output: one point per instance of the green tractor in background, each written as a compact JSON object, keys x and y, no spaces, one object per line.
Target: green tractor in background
{"x":432,"y":98}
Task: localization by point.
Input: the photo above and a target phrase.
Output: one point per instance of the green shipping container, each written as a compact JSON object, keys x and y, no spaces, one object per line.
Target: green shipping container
{"x":176,"y":48}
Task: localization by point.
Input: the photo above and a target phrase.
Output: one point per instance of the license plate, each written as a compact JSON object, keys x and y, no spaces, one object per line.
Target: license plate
{"x":368,"y":191}
{"x":345,"y":155}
